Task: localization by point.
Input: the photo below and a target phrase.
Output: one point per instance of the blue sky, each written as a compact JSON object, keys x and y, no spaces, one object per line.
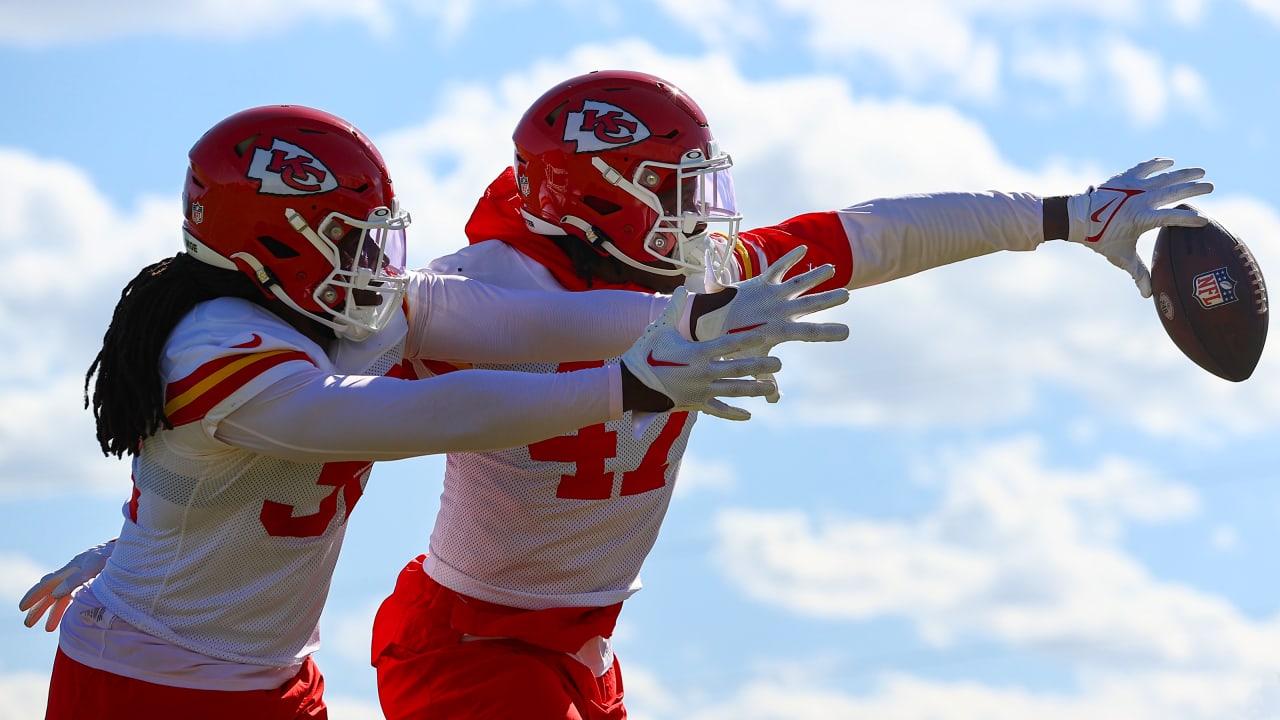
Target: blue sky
{"x":1007,"y":495}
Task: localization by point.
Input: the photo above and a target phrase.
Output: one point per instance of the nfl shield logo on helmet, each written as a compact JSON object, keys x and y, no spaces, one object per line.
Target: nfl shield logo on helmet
{"x":1215,"y":288}
{"x":197,"y":213}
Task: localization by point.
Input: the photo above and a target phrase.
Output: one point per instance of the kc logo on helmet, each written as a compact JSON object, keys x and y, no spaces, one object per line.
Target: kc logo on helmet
{"x":287,"y":169}
{"x":601,"y":126}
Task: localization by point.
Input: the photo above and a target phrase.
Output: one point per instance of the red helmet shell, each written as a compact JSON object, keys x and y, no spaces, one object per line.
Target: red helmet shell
{"x":625,"y":118}
{"x":248,"y":170}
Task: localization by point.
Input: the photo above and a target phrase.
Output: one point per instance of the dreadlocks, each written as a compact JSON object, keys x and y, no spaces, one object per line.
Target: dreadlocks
{"x":128,"y":396}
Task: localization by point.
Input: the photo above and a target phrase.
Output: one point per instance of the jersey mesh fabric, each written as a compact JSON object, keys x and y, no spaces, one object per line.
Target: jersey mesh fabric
{"x":539,"y":526}
{"x":225,"y":551}
{"x":507,"y":533}
{"x":535,"y":527}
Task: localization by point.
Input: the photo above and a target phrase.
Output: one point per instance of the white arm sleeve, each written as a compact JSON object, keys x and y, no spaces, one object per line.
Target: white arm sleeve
{"x":895,"y":237}
{"x":317,"y":417}
{"x":454,"y":318}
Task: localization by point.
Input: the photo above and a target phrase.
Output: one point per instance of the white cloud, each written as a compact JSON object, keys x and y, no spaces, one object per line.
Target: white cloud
{"x":77,"y":252}
{"x":704,"y":474}
{"x":17,"y":574}
{"x":969,"y":51}
{"x":1191,"y":93}
{"x":940,"y":339}
{"x":1018,"y":557}
{"x":1268,"y":9}
{"x":1208,"y":695}
{"x":1016,"y":552}
{"x":1140,"y":84}
{"x":346,"y":635}
{"x":1224,"y":538}
{"x":38,"y":25}
{"x":23,"y":695}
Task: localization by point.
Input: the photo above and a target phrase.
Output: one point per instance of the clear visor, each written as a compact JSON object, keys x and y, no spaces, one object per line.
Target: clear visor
{"x":693,"y":201}
{"x":370,"y":247}
{"x":368,"y":280}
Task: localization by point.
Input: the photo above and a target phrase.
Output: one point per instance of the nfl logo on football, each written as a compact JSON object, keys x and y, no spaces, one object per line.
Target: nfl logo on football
{"x":1215,"y":288}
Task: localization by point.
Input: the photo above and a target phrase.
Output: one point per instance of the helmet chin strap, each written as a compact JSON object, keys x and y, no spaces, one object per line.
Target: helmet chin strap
{"x":607,"y":245}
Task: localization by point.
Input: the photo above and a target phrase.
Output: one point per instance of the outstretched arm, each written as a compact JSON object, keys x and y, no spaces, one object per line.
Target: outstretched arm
{"x":890,"y":238}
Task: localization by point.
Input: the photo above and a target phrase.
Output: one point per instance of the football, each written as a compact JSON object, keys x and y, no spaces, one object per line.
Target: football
{"x":1211,"y":297}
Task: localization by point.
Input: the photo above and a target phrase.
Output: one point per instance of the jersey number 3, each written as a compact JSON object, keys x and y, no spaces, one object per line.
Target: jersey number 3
{"x":344,"y":477}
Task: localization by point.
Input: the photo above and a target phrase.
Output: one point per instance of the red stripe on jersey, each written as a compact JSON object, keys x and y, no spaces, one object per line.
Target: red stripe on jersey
{"x":187,"y":400}
{"x":822,"y":232}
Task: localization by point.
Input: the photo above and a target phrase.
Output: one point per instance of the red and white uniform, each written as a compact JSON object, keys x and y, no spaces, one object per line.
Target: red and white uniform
{"x":238,"y":512}
{"x":567,"y":522}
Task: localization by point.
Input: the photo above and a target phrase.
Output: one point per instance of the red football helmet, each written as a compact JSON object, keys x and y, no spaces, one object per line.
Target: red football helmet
{"x":300,"y":201}
{"x":625,"y":161}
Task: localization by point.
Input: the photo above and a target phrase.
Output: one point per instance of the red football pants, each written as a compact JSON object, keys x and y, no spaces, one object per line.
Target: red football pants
{"x":425,"y":670}
{"x":79,"y":692}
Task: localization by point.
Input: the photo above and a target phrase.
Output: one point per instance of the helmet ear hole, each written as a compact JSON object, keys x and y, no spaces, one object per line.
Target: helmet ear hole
{"x":600,"y":205}
{"x":277,"y":248}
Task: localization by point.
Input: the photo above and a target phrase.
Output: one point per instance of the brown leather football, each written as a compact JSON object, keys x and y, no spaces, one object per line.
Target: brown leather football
{"x":1211,"y":297}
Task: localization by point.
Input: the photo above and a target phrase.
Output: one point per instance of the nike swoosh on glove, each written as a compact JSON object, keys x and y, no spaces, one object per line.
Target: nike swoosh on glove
{"x":772,"y":305}
{"x":1110,"y":217}
{"x":53,"y":592}
{"x":695,"y":374}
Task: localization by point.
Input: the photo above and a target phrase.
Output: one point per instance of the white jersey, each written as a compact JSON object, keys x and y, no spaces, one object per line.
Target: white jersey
{"x":226,"y":551}
{"x":238,"y":511}
{"x":539,"y":526}
{"x":568,"y":522}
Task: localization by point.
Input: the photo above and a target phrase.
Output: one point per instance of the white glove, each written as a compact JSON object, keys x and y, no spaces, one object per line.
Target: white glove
{"x":53,"y":592}
{"x":771,"y":304}
{"x":693,"y":374}
{"x":1110,"y":217}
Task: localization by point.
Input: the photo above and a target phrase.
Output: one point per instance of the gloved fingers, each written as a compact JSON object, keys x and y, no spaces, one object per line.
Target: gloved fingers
{"x":37,"y":610}
{"x":810,"y":279}
{"x":1137,"y":270}
{"x":1177,"y":193}
{"x":776,"y":395}
{"x":43,"y":588}
{"x":735,"y":344}
{"x":1179,"y":217}
{"x":741,"y":387}
{"x":1181,"y":175}
{"x":724,"y":410}
{"x":741,"y":367}
{"x":1144,"y":283}
{"x":807,"y":304}
{"x":1144,"y":168}
{"x":809,"y":332}
{"x":56,"y":612}
{"x":66,"y":587}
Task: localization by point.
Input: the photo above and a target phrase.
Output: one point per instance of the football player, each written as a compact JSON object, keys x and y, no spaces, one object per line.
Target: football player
{"x":618,"y":182}
{"x":256,"y":377}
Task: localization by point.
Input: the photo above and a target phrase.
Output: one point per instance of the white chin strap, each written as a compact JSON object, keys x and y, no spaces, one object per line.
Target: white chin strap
{"x":209,"y":256}
{"x":606,"y":245}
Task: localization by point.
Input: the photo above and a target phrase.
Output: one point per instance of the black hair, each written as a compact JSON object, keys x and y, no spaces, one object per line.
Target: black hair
{"x":128,"y":395}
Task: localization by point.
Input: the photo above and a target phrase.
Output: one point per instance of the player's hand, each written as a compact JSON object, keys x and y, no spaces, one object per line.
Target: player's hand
{"x":692,"y":375}
{"x":53,"y":593}
{"x":1110,"y":217}
{"x":773,"y":305}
